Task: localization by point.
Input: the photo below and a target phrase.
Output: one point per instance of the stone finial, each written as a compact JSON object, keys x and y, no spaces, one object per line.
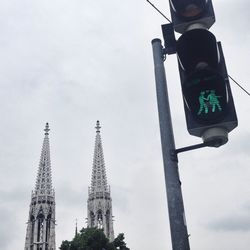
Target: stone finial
{"x":47,"y":129}
{"x":98,"y":127}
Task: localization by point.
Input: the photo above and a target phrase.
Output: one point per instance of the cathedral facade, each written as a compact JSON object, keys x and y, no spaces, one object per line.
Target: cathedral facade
{"x":40,"y":234}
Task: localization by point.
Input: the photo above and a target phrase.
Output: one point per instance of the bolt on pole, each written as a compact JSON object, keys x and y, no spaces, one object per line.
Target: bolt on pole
{"x":178,"y":227}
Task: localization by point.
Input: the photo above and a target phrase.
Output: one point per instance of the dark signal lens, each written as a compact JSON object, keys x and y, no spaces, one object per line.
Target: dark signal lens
{"x":189,"y":9}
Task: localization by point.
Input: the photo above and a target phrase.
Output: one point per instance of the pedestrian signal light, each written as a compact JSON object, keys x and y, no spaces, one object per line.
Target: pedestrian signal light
{"x":207,"y":96}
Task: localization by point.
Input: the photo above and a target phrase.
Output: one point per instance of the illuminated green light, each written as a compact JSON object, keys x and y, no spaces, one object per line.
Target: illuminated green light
{"x":209,"y":102}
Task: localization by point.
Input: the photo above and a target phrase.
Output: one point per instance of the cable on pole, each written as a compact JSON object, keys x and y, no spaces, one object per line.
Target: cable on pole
{"x":158,"y":10}
{"x":239,"y":85}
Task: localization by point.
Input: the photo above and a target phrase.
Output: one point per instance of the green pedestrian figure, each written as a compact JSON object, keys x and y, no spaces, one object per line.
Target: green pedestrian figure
{"x":214,"y":101}
{"x":203,"y":104}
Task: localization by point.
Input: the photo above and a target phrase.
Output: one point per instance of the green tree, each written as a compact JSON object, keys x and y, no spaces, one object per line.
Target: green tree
{"x":65,"y":245}
{"x":93,"y":239}
{"x":119,"y":242}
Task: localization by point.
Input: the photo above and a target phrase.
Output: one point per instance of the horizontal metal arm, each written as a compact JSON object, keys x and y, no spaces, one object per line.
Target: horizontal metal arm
{"x":213,"y":143}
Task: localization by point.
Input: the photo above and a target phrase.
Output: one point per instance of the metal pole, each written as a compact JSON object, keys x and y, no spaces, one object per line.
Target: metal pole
{"x":176,"y":212}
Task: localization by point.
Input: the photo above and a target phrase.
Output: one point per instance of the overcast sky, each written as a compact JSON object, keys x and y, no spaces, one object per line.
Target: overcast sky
{"x":72,"y":62}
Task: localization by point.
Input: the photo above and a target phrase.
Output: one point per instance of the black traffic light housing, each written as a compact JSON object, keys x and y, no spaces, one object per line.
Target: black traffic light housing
{"x":187,"y":12}
{"x":207,"y":96}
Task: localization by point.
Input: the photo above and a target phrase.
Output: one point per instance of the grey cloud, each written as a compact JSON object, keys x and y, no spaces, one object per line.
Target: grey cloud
{"x":234,"y":17}
{"x":66,"y":195}
{"x":232,"y":223}
{"x":241,"y":145}
{"x":238,"y":221}
{"x":7,"y":221}
{"x":120,"y":198}
{"x":14,"y":195}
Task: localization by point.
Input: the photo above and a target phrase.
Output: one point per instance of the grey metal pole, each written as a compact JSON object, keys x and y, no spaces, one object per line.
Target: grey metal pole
{"x":176,"y":212}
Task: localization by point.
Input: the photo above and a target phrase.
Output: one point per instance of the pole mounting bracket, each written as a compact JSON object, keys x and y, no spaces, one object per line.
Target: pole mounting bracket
{"x":212,"y":143}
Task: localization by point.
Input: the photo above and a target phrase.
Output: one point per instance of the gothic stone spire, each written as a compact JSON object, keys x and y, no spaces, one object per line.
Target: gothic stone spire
{"x":44,"y":180}
{"x":40,"y":233}
{"x":99,"y":200}
{"x":99,"y":179}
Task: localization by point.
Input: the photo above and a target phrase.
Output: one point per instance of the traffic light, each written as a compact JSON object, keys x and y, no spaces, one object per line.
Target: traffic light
{"x":184,"y":13}
{"x":208,"y":101}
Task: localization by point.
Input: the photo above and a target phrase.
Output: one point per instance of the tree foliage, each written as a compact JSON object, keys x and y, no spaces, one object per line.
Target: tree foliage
{"x":94,"y":239}
{"x":65,"y":245}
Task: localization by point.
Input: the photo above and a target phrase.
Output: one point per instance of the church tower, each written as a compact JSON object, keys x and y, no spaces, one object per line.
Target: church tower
{"x":99,"y":199}
{"x":40,"y":233}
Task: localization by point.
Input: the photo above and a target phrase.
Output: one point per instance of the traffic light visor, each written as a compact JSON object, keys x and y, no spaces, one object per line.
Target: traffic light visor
{"x":189,"y":9}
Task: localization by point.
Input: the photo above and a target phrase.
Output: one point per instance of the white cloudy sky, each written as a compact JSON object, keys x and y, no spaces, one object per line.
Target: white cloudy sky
{"x":70,"y":63}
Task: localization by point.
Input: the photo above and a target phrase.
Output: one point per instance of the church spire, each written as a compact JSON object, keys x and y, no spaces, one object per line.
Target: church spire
{"x":40,"y":233}
{"x":99,"y":200}
{"x":44,"y":179}
{"x":99,"y":179}
{"x":76,"y":230}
